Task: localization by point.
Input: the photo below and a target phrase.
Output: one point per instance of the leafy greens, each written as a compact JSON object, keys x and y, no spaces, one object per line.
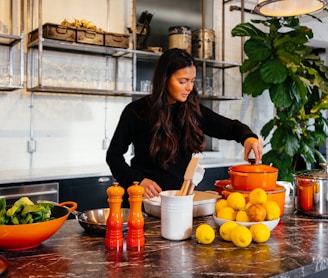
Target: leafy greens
{"x":24,"y":211}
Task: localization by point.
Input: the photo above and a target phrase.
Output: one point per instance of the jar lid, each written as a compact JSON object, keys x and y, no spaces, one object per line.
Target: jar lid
{"x":253,"y":168}
{"x":315,"y":173}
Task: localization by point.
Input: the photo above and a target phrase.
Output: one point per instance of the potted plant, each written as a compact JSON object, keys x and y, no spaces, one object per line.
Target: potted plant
{"x":279,"y":61}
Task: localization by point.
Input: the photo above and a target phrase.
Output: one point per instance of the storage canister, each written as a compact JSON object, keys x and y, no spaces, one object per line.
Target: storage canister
{"x":176,"y":215}
{"x":180,"y":37}
{"x":311,"y":192}
{"x":203,"y":44}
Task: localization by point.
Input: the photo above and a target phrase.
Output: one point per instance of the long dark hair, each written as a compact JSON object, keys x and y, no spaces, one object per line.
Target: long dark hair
{"x":165,"y":134}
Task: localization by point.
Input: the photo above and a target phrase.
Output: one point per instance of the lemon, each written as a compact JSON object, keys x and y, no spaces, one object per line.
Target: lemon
{"x":248,"y":205}
{"x":222,"y":203}
{"x":205,"y":234}
{"x":258,"y":196}
{"x":241,"y":236}
{"x":226,"y":228}
{"x":242,"y":216}
{"x":272,"y":210}
{"x":227,"y":213}
{"x":260,"y":232}
{"x":236,"y":200}
{"x":256,"y":213}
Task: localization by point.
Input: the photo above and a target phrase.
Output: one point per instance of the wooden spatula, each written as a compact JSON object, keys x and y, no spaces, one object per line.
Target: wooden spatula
{"x":191,"y":168}
{"x":196,"y":179}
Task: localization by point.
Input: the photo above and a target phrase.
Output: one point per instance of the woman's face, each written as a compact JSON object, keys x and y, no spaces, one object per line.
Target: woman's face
{"x":181,"y":84}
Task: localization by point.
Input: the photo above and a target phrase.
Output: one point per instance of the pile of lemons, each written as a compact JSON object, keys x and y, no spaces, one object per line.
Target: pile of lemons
{"x":257,"y":209}
{"x":235,"y":208}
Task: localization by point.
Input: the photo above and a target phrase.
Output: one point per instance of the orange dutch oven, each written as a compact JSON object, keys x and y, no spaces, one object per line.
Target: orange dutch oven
{"x":277,"y":195}
{"x":251,"y":176}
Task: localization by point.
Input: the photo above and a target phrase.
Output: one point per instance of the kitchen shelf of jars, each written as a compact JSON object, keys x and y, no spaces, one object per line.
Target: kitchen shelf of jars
{"x":44,"y":75}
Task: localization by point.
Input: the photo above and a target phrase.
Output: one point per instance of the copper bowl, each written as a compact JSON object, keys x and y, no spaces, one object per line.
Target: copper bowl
{"x":28,"y":236}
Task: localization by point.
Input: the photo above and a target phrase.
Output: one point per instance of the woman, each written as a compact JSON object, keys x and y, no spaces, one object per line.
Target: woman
{"x":167,"y":127}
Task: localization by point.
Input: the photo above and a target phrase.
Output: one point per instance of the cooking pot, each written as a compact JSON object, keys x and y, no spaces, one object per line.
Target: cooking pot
{"x":311,"y":192}
{"x":251,"y":176}
{"x":277,"y":195}
{"x":94,"y":221}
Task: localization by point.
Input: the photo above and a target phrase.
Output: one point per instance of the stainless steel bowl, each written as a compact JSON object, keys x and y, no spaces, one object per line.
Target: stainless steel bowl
{"x":94,"y":221}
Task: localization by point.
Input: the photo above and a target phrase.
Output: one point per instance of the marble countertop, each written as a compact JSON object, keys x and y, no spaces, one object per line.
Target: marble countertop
{"x":297,"y":248}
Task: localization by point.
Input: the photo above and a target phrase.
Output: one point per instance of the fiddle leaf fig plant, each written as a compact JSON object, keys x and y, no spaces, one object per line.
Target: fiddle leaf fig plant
{"x":280,"y":62}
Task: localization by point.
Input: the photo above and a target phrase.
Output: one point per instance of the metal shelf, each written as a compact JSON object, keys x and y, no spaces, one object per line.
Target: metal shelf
{"x":12,"y":49}
{"x":43,"y":44}
{"x":118,"y":52}
{"x":15,"y":73}
{"x":10,"y":87}
{"x":79,"y":47}
{"x":217,"y":64}
{"x":9,"y":40}
{"x":113,"y":93}
{"x":66,"y":90}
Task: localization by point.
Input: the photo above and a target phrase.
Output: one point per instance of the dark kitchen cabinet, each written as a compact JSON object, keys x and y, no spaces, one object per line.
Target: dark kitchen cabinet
{"x":210,"y":176}
{"x":89,"y":193}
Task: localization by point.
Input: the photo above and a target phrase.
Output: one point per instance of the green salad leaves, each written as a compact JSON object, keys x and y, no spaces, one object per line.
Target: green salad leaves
{"x":24,"y":211}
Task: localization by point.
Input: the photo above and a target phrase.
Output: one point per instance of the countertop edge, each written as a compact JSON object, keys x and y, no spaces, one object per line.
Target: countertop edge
{"x":84,"y":171}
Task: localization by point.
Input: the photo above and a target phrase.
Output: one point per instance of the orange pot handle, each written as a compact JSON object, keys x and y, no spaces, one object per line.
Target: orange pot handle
{"x":70,"y":205}
{"x":225,"y":193}
{"x":238,"y":173}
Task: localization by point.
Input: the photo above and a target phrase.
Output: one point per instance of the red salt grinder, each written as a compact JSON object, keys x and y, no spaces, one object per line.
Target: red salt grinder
{"x":135,"y":237}
{"x":114,"y":233}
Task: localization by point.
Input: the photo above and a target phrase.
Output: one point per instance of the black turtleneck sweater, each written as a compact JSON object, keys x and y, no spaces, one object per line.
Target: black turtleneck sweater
{"x":134,"y":127}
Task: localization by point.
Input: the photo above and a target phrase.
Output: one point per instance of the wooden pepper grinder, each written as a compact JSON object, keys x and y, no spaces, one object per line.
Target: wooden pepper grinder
{"x":135,"y":237}
{"x":114,"y":234}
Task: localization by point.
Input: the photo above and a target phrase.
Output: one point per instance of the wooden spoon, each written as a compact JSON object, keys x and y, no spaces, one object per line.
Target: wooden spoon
{"x":189,"y":173}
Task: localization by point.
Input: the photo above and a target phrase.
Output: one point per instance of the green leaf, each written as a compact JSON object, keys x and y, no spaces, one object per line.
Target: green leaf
{"x":267,"y":128}
{"x":301,"y":88}
{"x":253,"y":84}
{"x":280,"y":96}
{"x":284,"y":140}
{"x":289,"y":59}
{"x":247,"y":30}
{"x":249,"y":65}
{"x":3,"y":218}
{"x":273,"y":71}
{"x":257,"y":50}
{"x":280,"y":161}
{"x":322,"y":105}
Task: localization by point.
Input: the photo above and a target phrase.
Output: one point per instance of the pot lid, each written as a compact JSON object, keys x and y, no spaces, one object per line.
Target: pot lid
{"x":315,"y":173}
{"x":253,"y":168}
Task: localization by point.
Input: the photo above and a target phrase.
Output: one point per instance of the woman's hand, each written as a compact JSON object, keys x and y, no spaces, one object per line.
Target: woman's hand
{"x":256,"y":145}
{"x":152,"y":189}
